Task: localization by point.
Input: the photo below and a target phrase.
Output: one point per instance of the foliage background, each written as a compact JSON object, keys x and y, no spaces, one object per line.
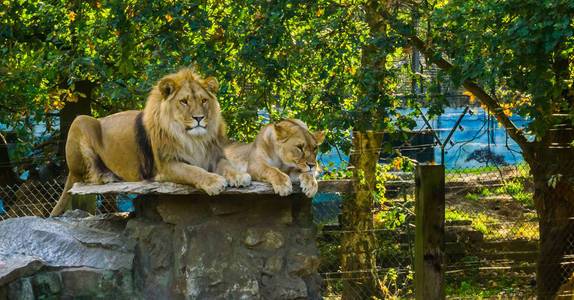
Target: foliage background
{"x":336,"y":65}
{"x":273,"y":58}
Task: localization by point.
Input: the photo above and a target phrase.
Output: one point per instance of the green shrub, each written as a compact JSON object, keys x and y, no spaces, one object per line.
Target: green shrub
{"x":486,"y":192}
{"x":472,"y":196}
{"x":515,"y":188}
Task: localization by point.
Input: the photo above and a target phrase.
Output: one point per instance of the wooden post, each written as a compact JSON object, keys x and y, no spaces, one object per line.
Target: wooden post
{"x":429,"y":234}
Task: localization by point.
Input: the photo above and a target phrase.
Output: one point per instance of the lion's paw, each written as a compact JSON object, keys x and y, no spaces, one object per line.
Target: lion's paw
{"x":109,"y":178}
{"x":309,"y":185}
{"x":214,"y":184}
{"x":239,"y":179}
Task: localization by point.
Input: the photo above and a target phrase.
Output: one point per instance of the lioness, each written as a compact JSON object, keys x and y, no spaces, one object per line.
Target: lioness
{"x":281,"y":153}
{"x":178,"y":137}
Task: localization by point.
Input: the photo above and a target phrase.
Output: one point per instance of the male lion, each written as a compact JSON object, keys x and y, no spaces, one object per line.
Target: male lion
{"x":178,"y":137}
{"x":282,"y":153}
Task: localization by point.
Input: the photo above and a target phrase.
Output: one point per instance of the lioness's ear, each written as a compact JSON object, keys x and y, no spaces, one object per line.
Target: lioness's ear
{"x":319,"y":136}
{"x":282,"y":132}
{"x":166,"y":87}
{"x":212,"y":84}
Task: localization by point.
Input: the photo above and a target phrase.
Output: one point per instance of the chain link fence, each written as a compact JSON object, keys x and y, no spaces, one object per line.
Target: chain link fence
{"x":491,"y":237}
{"x":392,"y":272}
{"x":491,"y":233}
{"x":38,"y":198}
{"x":491,"y":229}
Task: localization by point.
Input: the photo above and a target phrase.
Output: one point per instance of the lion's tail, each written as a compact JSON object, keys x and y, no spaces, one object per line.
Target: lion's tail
{"x":64,"y":200}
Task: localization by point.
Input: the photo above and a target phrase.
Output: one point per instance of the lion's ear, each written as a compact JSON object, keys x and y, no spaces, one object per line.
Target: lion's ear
{"x":212,"y":84}
{"x":166,"y":87}
{"x":319,"y":136}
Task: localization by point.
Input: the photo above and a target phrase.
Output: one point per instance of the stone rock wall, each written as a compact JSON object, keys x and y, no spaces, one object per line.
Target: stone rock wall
{"x":67,"y":257}
{"x":238,"y":247}
{"x":173,"y":247}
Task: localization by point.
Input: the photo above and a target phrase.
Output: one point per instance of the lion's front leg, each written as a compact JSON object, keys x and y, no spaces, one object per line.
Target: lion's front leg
{"x":183,"y":173}
{"x":232,"y":174}
{"x":309,"y":184}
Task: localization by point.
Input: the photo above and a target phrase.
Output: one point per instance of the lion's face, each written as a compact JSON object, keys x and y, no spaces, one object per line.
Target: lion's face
{"x":191,"y":103}
{"x":296,"y":146}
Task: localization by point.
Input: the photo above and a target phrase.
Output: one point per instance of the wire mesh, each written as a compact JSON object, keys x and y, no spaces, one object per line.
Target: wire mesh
{"x":491,"y":231}
{"x":491,"y":234}
{"x":38,"y":198}
{"x":391,"y":273}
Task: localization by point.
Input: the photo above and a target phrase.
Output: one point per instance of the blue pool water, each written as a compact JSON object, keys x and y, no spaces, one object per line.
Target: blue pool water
{"x":478,"y":132}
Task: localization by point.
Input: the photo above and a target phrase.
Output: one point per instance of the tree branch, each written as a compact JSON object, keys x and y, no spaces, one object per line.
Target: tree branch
{"x":494,"y":106}
{"x":435,"y":57}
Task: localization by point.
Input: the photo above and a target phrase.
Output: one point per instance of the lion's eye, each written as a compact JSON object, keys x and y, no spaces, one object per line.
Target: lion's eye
{"x":300,"y":147}
{"x":204,"y":100}
{"x":183,"y":102}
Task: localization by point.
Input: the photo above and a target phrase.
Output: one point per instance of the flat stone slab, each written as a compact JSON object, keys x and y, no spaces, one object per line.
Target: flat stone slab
{"x":157,"y":188}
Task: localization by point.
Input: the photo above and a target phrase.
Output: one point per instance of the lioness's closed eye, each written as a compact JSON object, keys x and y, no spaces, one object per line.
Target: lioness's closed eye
{"x":281,"y":153}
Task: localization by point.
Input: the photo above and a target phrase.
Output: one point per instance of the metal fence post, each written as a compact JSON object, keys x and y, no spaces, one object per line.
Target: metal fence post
{"x":429,"y":234}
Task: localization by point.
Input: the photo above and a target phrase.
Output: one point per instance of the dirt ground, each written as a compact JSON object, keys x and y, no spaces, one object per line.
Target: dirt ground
{"x":501,"y":208}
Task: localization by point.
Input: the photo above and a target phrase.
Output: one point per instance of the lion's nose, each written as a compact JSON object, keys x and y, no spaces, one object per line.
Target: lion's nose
{"x":311,"y":166}
{"x":198,"y":118}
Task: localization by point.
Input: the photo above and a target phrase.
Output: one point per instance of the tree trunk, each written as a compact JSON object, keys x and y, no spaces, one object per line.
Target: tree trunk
{"x":553,"y":172}
{"x":7,"y":174}
{"x":373,"y":74}
{"x":358,"y":261}
{"x":358,"y":258}
{"x":71,"y":110}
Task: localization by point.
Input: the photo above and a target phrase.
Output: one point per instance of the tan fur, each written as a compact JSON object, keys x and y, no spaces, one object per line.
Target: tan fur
{"x":281,"y":153}
{"x":184,"y":148}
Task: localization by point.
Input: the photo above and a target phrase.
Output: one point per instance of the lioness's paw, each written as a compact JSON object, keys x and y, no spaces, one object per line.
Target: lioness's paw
{"x":283,"y":189}
{"x":309,"y":185}
{"x":281,"y":184}
{"x":214,"y":184}
{"x":239,"y":179}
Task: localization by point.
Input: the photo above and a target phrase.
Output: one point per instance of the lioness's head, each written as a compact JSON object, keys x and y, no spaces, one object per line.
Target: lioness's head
{"x":190,"y":102}
{"x":296,"y":145}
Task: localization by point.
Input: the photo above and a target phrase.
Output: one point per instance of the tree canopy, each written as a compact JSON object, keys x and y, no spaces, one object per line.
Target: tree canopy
{"x":305,"y":59}
{"x":516,"y":57}
{"x":278,"y":59}
{"x":519,"y":52}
